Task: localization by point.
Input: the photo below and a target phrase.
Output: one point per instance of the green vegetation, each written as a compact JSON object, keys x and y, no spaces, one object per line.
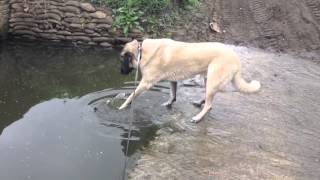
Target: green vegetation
{"x":147,"y":15}
{"x":189,"y":4}
{"x":128,"y":18}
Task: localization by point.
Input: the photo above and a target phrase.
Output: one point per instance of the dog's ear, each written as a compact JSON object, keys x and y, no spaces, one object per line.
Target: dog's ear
{"x":135,"y":42}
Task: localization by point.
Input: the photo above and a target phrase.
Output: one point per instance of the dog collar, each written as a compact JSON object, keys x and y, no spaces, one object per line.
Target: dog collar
{"x":138,"y":59}
{"x":139,"y":53}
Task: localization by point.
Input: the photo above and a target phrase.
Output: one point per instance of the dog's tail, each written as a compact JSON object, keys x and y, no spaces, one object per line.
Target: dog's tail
{"x":243,"y":86}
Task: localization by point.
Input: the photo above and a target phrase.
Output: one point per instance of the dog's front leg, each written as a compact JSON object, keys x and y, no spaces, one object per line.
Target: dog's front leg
{"x":173,"y":94}
{"x":143,"y":86}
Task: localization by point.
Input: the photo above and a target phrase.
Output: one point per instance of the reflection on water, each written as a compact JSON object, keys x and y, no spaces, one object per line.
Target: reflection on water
{"x":31,"y":73}
{"x":49,"y":128}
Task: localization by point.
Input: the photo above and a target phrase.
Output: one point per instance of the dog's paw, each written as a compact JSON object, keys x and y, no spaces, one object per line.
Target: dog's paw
{"x":167,"y":104}
{"x":123,"y":106}
{"x":195,"y":119}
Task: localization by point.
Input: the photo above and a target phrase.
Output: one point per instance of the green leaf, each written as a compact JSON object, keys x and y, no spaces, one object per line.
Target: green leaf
{"x":126,"y":30}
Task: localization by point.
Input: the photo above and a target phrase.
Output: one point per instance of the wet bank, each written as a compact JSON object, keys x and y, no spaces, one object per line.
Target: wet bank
{"x":270,"y":135}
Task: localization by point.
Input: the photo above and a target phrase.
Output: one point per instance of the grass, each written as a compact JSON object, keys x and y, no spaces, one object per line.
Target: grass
{"x":146,"y":15}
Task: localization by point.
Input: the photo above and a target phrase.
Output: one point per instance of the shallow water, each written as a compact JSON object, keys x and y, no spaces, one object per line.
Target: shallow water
{"x":58,"y":117}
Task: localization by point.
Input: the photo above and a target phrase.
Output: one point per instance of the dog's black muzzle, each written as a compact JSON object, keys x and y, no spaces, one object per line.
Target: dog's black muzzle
{"x":125,"y":63}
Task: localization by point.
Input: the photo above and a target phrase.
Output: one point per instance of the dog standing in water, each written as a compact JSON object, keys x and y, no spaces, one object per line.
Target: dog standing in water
{"x":166,"y":59}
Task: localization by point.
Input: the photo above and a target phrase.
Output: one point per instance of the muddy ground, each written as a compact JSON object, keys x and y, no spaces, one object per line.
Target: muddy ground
{"x":273,"y":134}
{"x":280,"y":25}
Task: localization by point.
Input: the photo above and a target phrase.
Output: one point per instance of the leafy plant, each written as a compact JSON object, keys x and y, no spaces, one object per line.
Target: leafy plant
{"x":154,"y":6}
{"x":189,"y":4}
{"x":154,"y":15}
{"x":128,"y":18}
{"x":115,"y":4}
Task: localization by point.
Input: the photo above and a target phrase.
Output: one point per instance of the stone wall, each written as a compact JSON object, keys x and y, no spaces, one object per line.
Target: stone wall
{"x":65,"y":20}
{"x":4,"y":12}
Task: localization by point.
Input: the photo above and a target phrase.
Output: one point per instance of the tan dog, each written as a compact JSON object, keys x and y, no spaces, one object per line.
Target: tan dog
{"x":166,"y":59}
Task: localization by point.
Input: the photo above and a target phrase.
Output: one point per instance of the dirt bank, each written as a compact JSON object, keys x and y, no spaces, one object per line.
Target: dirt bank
{"x":275,"y":24}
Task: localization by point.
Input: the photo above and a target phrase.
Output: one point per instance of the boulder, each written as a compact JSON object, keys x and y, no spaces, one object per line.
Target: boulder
{"x":22,"y":32}
{"x":78,"y":38}
{"x":16,"y":1}
{"x":51,"y":36}
{"x":72,"y":3}
{"x":98,"y":15}
{"x":107,"y":20}
{"x":72,"y":20}
{"x":70,"y":9}
{"x":86,"y":15}
{"x":52,"y":2}
{"x":56,"y":11}
{"x":36,"y":29}
{"x":58,"y":1}
{"x":105,"y":44}
{"x":87,"y":7}
{"x":75,"y":26}
{"x":28,"y":24}
{"x":91,"y":26}
{"x":89,"y":31}
{"x":53,"y":21}
{"x":78,"y":34}
{"x":48,"y":16}
{"x":17,"y":6}
{"x":51,"y":7}
{"x":68,"y":14}
{"x":21,"y":15}
{"x":20,"y":28}
{"x":103,"y":26}
{"x":52,"y":31}
{"x":92,"y":43}
{"x":102,"y":39}
{"x":93,"y":35}
{"x":64,"y":33}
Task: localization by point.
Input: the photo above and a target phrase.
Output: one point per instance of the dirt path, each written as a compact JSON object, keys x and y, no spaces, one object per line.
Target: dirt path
{"x":274,"y":24}
{"x":270,"y":135}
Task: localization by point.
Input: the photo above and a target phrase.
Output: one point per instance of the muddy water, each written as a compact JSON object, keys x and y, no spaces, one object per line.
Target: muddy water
{"x":58,"y":117}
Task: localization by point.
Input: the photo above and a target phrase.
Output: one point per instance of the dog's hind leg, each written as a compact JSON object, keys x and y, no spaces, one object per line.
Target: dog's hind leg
{"x":143,"y":86}
{"x":200,"y":102}
{"x":217,"y":75}
{"x":173,"y":94}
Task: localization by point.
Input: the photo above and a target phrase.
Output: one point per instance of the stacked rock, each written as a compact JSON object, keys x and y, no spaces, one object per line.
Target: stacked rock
{"x":4,"y":11}
{"x":64,"y":20}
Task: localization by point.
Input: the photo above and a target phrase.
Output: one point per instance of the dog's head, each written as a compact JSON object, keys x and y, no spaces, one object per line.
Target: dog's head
{"x":128,"y":56}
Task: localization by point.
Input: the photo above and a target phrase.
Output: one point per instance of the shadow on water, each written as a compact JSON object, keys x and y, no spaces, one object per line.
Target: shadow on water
{"x":53,"y":127}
